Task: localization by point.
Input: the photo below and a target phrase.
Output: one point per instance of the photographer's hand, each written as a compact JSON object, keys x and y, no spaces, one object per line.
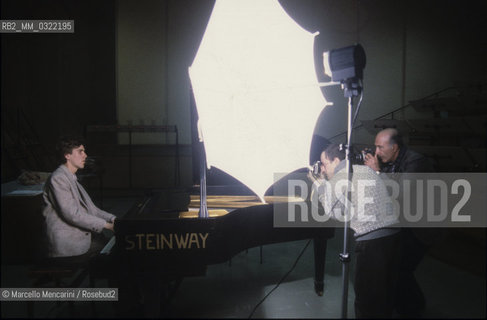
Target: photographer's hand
{"x":372,"y":162}
{"x":311,"y":177}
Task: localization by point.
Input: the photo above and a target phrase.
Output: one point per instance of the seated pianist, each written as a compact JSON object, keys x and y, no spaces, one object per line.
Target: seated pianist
{"x":72,"y":220}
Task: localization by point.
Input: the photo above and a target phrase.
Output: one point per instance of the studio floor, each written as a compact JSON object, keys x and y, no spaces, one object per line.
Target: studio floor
{"x":452,"y":277}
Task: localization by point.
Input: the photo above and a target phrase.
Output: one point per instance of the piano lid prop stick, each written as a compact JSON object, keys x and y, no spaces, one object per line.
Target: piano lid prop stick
{"x":203,"y":205}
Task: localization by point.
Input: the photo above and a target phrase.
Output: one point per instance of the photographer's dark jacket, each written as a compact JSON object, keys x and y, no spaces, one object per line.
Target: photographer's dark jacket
{"x":408,"y":161}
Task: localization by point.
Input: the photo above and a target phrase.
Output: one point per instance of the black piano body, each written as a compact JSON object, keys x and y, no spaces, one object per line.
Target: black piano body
{"x":163,"y":234}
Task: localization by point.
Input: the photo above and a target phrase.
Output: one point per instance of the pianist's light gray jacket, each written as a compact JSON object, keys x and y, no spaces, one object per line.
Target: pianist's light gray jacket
{"x":70,"y":215}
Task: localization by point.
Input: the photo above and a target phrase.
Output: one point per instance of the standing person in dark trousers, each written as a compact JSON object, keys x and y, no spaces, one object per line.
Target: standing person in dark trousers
{"x":392,"y":156}
{"x":372,"y":219}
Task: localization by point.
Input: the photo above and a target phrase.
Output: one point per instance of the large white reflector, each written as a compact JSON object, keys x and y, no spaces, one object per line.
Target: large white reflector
{"x":256,"y":91}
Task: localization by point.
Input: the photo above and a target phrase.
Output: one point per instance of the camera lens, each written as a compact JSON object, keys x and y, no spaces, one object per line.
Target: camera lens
{"x":316,"y":168}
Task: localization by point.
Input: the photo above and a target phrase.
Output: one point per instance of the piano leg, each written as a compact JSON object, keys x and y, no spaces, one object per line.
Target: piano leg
{"x":319,"y":245}
{"x":169,"y":286}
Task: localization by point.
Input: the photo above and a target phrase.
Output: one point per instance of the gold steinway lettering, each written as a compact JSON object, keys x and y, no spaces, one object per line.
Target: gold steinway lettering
{"x":160,"y":241}
{"x":140,"y":236}
{"x":148,"y":241}
{"x":165,"y":241}
{"x":203,"y":239}
{"x":131,"y":244}
{"x":182,"y":242}
{"x":193,"y":239}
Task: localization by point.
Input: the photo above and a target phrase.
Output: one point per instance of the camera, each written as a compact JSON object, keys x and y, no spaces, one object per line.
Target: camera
{"x":315,"y":169}
{"x":359,"y":157}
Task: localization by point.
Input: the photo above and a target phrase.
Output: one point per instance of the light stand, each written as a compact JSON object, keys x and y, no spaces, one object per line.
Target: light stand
{"x":346,"y":66}
{"x":351,"y":89}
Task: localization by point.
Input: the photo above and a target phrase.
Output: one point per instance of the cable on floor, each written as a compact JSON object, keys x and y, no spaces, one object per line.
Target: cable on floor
{"x":282,"y":279}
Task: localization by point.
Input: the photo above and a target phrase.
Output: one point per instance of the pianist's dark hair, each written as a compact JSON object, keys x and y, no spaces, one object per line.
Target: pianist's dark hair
{"x":334,"y":151}
{"x":66,"y":144}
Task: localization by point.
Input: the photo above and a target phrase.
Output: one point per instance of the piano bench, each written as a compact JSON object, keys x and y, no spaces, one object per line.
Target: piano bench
{"x":45,"y":275}
{"x":56,"y":273}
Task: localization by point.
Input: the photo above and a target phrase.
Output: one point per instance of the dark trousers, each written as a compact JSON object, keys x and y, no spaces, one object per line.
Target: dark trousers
{"x":377,"y":263}
{"x":410,"y":300}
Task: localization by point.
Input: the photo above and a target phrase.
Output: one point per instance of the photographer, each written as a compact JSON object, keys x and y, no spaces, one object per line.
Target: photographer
{"x":371,"y":217}
{"x":392,"y":156}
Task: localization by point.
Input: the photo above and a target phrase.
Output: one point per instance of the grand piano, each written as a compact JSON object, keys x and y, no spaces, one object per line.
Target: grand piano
{"x":163,"y":233}
{"x":157,"y":245}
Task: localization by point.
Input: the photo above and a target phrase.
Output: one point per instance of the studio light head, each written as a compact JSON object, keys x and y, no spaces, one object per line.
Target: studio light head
{"x":345,"y":63}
